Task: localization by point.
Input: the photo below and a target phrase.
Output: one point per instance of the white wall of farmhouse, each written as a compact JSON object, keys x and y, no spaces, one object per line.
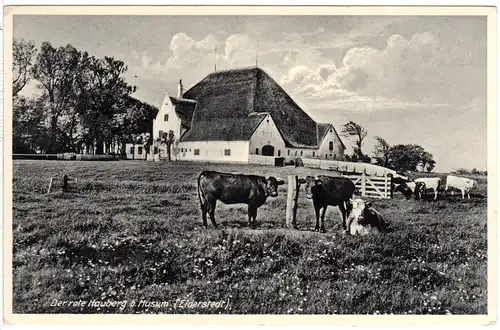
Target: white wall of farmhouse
{"x":214,"y":151}
{"x":167,"y":120}
{"x":331,"y":147}
{"x":301,"y":152}
{"x":267,"y":135}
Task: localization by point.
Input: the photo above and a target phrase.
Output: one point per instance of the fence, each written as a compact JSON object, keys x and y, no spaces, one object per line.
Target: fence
{"x":372,"y":186}
{"x":67,"y":156}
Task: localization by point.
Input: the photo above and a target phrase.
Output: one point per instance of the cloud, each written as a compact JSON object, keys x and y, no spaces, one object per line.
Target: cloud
{"x":187,"y":51}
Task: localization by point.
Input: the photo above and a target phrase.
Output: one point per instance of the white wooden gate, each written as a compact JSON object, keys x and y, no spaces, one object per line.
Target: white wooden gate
{"x":372,"y":186}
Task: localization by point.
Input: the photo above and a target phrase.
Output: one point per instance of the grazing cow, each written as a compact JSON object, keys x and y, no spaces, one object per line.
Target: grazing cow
{"x":410,"y":188}
{"x":364,"y":218}
{"x":326,"y":190}
{"x":234,"y":189}
{"x":465,"y":185}
{"x":430,"y":183}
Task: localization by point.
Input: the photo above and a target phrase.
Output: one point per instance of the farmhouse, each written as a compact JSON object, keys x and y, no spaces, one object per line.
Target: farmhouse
{"x":238,"y":116}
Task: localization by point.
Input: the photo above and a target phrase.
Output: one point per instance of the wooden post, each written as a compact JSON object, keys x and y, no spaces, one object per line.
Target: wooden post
{"x":50,"y":185}
{"x":291,"y":202}
{"x":390,"y":184}
{"x":65,"y":183}
{"x":363,"y":184}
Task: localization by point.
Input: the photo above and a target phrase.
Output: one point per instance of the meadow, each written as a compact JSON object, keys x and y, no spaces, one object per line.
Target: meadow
{"x":132,"y":231}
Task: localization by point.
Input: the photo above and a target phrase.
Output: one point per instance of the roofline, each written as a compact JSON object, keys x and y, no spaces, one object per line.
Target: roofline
{"x":336,"y":133}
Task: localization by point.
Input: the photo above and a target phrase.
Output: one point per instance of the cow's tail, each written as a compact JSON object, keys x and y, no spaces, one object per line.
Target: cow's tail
{"x":201,"y":196}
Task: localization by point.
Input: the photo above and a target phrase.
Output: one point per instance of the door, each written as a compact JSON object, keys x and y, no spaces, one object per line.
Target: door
{"x":268,"y":150}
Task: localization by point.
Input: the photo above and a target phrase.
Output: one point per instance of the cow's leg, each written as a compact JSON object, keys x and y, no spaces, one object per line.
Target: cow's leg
{"x":344,"y":215}
{"x":452,"y":193}
{"x":435,"y":193}
{"x":249,"y":215}
{"x":204,"y":211}
{"x":211,"y":210}
{"x":316,"y":211}
{"x":254,"y":216}
{"x":323,"y":212}
{"x":463,"y":194}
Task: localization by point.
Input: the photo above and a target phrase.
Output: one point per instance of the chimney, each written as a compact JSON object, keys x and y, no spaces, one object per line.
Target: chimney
{"x":180,"y":91}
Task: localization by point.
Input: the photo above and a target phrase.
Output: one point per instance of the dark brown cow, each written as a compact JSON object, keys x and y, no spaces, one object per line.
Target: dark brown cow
{"x":327,"y":190}
{"x":234,"y":189}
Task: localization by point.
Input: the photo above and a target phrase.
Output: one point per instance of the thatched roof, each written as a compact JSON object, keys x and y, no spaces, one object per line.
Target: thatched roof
{"x":228,"y":100}
{"x":184,"y":109}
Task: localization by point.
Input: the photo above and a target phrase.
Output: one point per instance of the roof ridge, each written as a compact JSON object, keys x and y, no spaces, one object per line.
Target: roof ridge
{"x":243,"y":68}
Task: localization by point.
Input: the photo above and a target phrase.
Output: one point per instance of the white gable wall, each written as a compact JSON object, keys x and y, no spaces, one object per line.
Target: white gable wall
{"x":324,"y":151}
{"x":173,"y":123}
{"x":267,"y":134}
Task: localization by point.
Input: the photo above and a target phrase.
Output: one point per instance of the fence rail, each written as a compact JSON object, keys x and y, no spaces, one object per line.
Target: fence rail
{"x":372,"y":186}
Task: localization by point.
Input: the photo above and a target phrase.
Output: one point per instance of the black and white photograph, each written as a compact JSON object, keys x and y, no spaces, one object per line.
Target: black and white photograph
{"x":250,"y":163}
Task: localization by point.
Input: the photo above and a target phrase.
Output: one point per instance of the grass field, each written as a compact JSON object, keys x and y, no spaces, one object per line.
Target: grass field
{"x":131,"y":231}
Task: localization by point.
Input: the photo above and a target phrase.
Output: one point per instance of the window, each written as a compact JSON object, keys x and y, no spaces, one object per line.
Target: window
{"x":301,"y":153}
{"x":165,"y":117}
{"x":313,"y":153}
{"x":295,"y":152}
{"x":331,"y":145}
{"x":257,"y":151}
{"x":155,"y":150}
{"x":334,"y":156}
{"x":139,"y":150}
{"x":132,"y":150}
{"x":196,"y":152}
{"x":227,"y":152}
{"x":326,"y":156}
{"x":288,"y":152}
{"x":279,"y":153}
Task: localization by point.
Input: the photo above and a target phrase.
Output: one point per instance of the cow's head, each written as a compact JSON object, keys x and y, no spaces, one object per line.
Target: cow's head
{"x":272,"y":186}
{"x":358,"y":208}
{"x":419,"y":189}
{"x":404,"y":189}
{"x":311,"y":183}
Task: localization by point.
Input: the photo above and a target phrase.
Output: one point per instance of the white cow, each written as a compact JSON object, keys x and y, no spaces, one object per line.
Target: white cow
{"x":465,"y":185}
{"x":430,"y":183}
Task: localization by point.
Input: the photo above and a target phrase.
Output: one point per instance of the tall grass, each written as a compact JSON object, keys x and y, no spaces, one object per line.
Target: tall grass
{"x":132,"y":231}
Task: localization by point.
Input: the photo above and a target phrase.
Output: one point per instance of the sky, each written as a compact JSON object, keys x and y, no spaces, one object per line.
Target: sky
{"x":407,"y":79}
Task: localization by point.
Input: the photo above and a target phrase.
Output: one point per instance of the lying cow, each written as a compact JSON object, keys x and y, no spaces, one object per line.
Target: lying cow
{"x":410,"y":188}
{"x":234,"y":189}
{"x":465,"y":185}
{"x":327,"y":190}
{"x":364,"y":219}
{"x":430,"y":183}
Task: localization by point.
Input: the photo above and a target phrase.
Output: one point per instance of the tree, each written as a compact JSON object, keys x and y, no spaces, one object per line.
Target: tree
{"x":22,"y":58}
{"x":55,"y":70}
{"x":381,"y":152}
{"x":427,"y":162}
{"x":29,"y":133}
{"x":168,"y":140}
{"x":100,"y":88}
{"x":410,"y":157}
{"x":352,"y":129}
